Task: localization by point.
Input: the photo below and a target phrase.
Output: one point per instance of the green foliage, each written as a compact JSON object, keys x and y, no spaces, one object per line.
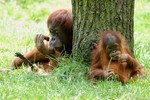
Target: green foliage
{"x":35,"y":10}
{"x":38,"y":15}
{"x":21,"y":20}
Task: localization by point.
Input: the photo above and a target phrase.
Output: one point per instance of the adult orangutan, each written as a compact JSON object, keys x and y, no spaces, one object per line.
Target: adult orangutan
{"x":112,"y":56}
{"x":59,"y":24}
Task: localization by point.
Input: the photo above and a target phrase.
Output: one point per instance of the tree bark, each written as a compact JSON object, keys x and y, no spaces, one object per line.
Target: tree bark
{"x":92,"y":17}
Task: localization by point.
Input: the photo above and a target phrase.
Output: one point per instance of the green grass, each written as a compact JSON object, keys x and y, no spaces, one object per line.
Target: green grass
{"x":21,"y":20}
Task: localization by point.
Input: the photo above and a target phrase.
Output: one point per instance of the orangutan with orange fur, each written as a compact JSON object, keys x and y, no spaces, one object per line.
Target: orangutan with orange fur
{"x":60,"y":26}
{"x":111,"y":57}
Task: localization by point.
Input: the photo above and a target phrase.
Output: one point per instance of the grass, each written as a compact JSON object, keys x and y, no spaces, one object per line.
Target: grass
{"x":21,"y":20}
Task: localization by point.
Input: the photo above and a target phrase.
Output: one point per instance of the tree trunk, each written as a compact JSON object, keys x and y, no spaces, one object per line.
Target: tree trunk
{"x":92,"y":17}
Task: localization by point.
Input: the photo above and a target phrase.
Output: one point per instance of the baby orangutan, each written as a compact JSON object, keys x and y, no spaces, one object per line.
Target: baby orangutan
{"x":112,"y":56}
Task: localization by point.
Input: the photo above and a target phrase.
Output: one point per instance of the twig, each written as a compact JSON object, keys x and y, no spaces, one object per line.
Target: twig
{"x":109,"y":64}
{"x":24,"y":59}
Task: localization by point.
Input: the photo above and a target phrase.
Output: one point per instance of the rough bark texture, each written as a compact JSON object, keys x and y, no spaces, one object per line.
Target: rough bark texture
{"x":92,"y":17}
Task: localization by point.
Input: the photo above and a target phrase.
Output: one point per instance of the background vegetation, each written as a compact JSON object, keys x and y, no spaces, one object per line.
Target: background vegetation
{"x":21,"y":20}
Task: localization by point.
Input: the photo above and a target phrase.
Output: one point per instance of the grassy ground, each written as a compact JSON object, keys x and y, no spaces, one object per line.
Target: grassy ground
{"x":21,"y":20}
